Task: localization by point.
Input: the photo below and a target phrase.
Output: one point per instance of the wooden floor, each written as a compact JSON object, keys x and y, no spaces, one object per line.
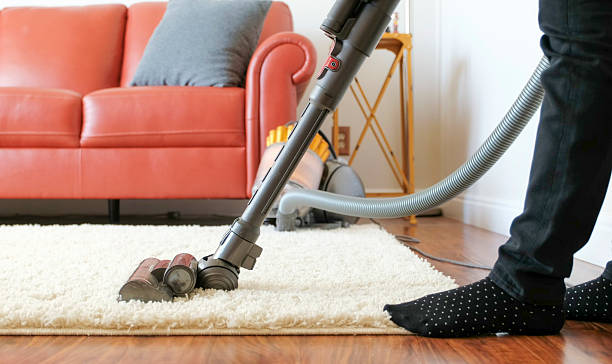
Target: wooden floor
{"x":578,"y":342}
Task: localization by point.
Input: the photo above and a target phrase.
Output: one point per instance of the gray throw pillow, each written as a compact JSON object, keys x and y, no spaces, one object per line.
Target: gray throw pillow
{"x":202,"y":43}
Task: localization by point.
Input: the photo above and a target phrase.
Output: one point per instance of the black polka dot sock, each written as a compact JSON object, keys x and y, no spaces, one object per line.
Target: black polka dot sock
{"x":590,"y":301}
{"x":476,"y":309}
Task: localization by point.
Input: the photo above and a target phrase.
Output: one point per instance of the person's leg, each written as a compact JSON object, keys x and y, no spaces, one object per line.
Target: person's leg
{"x":592,"y":300}
{"x":573,"y":155}
{"x":569,"y":177}
{"x":607,"y":273}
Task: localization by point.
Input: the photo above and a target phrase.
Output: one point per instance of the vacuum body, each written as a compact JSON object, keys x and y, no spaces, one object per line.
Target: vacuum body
{"x":340,"y":179}
{"x":337,"y":178}
{"x":319,"y":169}
{"x":307,"y":174}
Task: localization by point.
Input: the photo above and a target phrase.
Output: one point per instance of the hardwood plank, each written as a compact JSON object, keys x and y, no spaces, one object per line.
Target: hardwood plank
{"x":452,"y":239}
{"x":578,"y":342}
{"x":574,"y":345}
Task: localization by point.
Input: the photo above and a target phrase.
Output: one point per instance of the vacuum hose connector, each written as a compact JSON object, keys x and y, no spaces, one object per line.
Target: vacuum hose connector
{"x":485,"y":157}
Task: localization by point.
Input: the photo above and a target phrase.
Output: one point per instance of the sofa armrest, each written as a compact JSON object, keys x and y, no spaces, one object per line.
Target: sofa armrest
{"x":278,"y":74}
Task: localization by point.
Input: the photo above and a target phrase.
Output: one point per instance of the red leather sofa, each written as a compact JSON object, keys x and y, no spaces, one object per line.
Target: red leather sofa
{"x":71,"y":128}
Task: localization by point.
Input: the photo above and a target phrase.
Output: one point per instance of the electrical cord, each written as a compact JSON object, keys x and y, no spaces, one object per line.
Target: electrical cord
{"x":332,"y":151}
{"x":445,"y":260}
{"x":409,"y":239}
{"x":377,"y":223}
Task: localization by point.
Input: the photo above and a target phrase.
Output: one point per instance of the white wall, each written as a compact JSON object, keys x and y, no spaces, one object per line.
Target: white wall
{"x":424,"y":26}
{"x":485,"y":53}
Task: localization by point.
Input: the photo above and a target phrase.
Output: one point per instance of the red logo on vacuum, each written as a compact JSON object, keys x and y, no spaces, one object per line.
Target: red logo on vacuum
{"x":332,"y":64}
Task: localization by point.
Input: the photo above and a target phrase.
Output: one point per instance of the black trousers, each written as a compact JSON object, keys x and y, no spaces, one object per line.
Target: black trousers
{"x":572,"y":161}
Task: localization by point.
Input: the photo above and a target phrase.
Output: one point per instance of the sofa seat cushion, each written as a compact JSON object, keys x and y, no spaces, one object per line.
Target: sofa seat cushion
{"x":164,"y":117}
{"x":41,"y":118}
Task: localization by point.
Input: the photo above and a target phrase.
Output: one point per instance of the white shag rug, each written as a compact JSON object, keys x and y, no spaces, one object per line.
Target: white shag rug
{"x":63,"y":280}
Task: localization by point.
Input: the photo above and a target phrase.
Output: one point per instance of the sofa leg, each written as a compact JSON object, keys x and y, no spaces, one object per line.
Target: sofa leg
{"x":113,"y":211}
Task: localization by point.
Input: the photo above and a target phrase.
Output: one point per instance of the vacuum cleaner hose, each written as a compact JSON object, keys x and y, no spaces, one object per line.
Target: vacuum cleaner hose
{"x":485,"y":157}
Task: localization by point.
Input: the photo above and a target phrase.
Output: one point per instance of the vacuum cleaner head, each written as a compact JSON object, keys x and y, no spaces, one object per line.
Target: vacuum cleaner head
{"x":161,"y":280}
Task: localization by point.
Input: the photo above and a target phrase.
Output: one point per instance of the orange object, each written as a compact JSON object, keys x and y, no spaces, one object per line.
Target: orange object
{"x":71,"y":128}
{"x":281,"y":134}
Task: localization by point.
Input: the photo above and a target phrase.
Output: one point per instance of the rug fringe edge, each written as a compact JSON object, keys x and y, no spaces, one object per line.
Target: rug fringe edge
{"x":201,"y":332}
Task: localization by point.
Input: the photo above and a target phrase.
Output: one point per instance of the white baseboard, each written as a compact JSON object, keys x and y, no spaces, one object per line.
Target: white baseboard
{"x":497,"y":215}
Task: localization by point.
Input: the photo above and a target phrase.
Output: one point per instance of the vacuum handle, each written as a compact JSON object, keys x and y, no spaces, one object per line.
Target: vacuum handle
{"x":338,"y":16}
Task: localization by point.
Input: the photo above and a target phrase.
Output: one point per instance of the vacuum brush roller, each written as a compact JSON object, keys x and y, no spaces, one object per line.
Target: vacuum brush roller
{"x":180,"y":275}
{"x":144,"y":286}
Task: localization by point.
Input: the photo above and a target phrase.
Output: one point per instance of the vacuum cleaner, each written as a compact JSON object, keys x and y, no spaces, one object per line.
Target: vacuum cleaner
{"x":355,"y":27}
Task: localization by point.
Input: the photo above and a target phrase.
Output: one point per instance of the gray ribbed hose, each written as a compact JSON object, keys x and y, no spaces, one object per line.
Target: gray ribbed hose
{"x":485,"y":157}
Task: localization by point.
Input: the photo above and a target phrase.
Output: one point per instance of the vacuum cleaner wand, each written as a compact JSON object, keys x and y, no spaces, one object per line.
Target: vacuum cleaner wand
{"x":355,"y":26}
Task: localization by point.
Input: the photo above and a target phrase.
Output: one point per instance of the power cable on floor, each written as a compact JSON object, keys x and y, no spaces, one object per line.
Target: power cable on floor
{"x":445,"y":260}
{"x":409,"y":239}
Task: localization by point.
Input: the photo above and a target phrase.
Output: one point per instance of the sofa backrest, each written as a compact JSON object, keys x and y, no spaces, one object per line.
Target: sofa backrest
{"x":144,"y":17}
{"x":77,"y":48}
